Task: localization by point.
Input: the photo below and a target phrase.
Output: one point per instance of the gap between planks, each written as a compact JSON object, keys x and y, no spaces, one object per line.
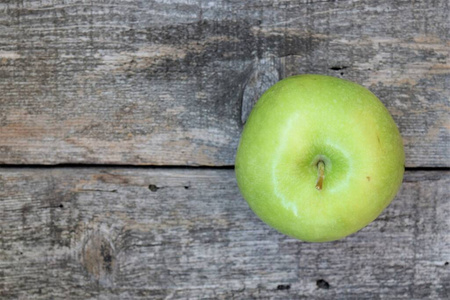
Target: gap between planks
{"x":187,"y":167}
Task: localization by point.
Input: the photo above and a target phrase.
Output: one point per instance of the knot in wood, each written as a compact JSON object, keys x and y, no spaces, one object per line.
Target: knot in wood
{"x":98,"y":258}
{"x":264,"y":73}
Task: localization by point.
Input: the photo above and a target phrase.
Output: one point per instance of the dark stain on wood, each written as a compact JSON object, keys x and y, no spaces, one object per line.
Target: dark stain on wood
{"x":25,"y":210}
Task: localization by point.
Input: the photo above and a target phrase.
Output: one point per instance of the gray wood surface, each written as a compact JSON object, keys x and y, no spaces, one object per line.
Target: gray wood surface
{"x":74,"y":233}
{"x":171,"y":82}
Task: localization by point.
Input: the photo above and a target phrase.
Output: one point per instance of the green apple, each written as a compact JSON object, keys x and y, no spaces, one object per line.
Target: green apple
{"x":319,"y":157}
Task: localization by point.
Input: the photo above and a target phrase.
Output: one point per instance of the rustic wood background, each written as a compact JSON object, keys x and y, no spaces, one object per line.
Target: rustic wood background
{"x":119,"y":121}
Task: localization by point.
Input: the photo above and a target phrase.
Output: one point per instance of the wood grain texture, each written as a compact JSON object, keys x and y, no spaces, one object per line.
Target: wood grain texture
{"x":169,"y":234}
{"x":171,"y":82}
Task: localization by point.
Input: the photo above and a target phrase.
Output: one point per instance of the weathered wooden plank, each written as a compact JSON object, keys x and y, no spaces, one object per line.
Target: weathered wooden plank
{"x":170,"y":82}
{"x":172,"y":233}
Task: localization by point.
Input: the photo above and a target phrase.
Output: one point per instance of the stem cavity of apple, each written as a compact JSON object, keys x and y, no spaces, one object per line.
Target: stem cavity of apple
{"x":321,"y":174}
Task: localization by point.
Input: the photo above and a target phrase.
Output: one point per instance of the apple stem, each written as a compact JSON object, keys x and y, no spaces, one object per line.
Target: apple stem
{"x":321,"y":174}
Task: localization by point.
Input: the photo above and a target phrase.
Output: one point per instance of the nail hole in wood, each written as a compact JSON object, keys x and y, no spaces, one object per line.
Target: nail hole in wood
{"x":153,"y":188}
{"x":61,"y":206}
{"x":186,"y":187}
{"x":338,"y":68}
{"x":446,"y":263}
{"x":322,"y":284}
{"x":283,"y":287}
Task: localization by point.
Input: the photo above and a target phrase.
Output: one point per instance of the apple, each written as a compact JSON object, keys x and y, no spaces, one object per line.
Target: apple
{"x":319,"y":157}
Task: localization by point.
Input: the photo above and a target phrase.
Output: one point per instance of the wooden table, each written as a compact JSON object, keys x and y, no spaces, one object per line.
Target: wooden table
{"x":119,"y":122}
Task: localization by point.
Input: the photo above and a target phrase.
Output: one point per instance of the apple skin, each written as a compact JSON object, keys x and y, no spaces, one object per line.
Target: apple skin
{"x":300,"y":121}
